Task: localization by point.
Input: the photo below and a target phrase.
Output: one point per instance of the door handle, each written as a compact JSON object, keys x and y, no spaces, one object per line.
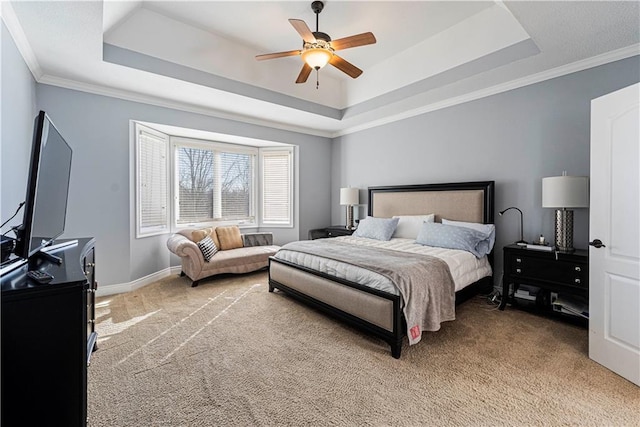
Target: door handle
{"x":597,"y":243}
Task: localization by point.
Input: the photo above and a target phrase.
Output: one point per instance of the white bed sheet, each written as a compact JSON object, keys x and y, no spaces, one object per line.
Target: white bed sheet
{"x":465,"y":267}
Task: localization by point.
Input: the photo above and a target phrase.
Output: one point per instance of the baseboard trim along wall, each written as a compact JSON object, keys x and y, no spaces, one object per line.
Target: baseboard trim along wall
{"x":121,"y":288}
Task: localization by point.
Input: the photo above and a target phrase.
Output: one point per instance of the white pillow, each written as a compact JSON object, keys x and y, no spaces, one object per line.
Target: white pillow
{"x":488,"y":229}
{"x":409,"y":225}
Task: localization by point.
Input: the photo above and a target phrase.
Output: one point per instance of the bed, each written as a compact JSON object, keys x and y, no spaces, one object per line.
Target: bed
{"x":378,"y":310}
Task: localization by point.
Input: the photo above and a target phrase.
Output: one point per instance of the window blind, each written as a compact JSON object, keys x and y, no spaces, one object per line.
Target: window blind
{"x":214,"y":185}
{"x":194,"y":182}
{"x":153,"y":215}
{"x":277,"y":182}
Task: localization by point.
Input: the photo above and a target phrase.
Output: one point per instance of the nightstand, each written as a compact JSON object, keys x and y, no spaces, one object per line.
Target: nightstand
{"x":331,"y":231}
{"x":554,"y":273}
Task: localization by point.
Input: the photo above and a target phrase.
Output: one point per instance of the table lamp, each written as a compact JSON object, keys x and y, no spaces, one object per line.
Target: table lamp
{"x":564,"y":192}
{"x":349,"y":197}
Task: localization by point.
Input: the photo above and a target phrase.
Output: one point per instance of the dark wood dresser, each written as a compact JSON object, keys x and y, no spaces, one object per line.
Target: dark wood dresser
{"x":48,"y":336}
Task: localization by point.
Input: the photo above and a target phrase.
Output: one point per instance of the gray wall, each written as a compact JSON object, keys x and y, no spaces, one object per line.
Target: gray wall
{"x":101,"y":192}
{"x":514,"y":138}
{"x":18,"y":109}
{"x":101,"y":188}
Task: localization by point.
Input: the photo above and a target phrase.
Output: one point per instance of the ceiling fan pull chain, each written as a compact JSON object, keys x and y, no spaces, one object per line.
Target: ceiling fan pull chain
{"x":317,"y":79}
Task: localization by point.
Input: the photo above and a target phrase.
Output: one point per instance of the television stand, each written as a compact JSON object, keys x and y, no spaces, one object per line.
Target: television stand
{"x":47,"y":337}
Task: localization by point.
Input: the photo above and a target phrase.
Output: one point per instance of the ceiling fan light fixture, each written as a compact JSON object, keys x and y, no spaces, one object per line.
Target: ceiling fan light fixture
{"x":318,"y":48}
{"x":316,"y":57}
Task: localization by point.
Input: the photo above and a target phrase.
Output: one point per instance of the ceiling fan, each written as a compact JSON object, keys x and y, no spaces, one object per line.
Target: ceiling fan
{"x":318,"y":49}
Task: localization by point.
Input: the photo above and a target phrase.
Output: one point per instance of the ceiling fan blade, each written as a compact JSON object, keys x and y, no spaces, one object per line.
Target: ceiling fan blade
{"x":353,"y":41}
{"x":304,"y":73}
{"x":277,"y":55}
{"x":302,"y":29}
{"x":345,"y":66}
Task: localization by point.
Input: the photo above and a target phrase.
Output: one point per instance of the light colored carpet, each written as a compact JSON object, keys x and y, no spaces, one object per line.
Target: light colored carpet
{"x":228,"y":353}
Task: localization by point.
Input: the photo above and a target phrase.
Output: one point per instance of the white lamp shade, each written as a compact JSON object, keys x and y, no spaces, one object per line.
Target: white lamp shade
{"x":349,"y":196}
{"x":565,"y":192}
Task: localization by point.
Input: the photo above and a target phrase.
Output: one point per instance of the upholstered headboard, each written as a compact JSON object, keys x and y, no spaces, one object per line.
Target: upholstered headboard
{"x":464,"y":201}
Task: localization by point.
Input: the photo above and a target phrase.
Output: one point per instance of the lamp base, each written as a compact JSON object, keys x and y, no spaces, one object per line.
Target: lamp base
{"x":350,"y":225}
{"x":564,"y":230}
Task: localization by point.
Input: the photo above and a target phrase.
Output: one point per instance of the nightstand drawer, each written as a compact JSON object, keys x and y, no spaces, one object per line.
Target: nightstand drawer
{"x":550,"y":270}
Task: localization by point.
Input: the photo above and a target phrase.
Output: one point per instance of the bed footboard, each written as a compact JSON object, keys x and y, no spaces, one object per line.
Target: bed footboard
{"x":376,"y":312}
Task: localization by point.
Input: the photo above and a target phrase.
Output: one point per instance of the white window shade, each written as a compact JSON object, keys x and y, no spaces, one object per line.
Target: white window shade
{"x":152,"y":183}
{"x":277,"y":183}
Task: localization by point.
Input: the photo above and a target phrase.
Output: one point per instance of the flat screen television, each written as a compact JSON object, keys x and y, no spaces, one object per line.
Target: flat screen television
{"x":45,"y":207}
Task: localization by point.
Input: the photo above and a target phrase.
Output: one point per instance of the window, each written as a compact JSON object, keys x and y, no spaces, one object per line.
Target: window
{"x":215,"y":182}
{"x":183,"y":182}
{"x":152,"y":182}
{"x":277,"y":186}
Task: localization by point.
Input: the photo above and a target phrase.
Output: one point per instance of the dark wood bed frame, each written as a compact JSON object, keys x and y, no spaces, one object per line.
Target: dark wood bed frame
{"x":394,"y":337}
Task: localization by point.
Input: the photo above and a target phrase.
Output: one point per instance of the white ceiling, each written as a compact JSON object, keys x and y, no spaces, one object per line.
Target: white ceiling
{"x":200,"y":55}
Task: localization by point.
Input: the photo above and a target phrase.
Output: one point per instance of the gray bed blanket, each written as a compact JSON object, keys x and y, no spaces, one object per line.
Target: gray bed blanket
{"x":424,"y":282}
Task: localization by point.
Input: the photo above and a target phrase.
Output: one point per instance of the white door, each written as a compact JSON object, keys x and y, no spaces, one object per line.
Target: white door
{"x":614,"y":276}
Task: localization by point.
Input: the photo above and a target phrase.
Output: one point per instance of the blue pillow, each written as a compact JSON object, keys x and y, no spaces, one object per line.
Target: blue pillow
{"x":376,"y":228}
{"x":488,"y":229}
{"x":452,"y":237}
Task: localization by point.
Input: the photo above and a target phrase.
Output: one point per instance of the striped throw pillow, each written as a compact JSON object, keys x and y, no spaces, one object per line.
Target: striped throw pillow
{"x":208,"y":248}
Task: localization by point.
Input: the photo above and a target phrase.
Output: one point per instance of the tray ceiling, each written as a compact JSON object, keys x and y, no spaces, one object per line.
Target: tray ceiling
{"x":200,"y":55}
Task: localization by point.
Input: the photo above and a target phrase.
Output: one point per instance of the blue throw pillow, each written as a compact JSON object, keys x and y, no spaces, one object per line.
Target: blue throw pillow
{"x":376,"y":228}
{"x":488,"y":229}
{"x":452,"y":237}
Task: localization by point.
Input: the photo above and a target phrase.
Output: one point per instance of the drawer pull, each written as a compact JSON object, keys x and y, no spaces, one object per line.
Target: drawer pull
{"x":518,"y":260}
{"x":518,"y":270}
{"x":578,"y":268}
{"x":577,"y":281}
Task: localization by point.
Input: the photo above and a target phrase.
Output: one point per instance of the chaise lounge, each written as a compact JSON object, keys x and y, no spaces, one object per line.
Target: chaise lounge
{"x":234,"y":252}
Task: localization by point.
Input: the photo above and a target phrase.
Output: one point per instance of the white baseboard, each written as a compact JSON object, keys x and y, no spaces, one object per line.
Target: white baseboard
{"x":120,"y":288}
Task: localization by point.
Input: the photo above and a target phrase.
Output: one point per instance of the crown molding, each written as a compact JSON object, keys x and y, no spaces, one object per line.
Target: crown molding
{"x":574,"y":67}
{"x":19,"y":37}
{"x":175,"y":105}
